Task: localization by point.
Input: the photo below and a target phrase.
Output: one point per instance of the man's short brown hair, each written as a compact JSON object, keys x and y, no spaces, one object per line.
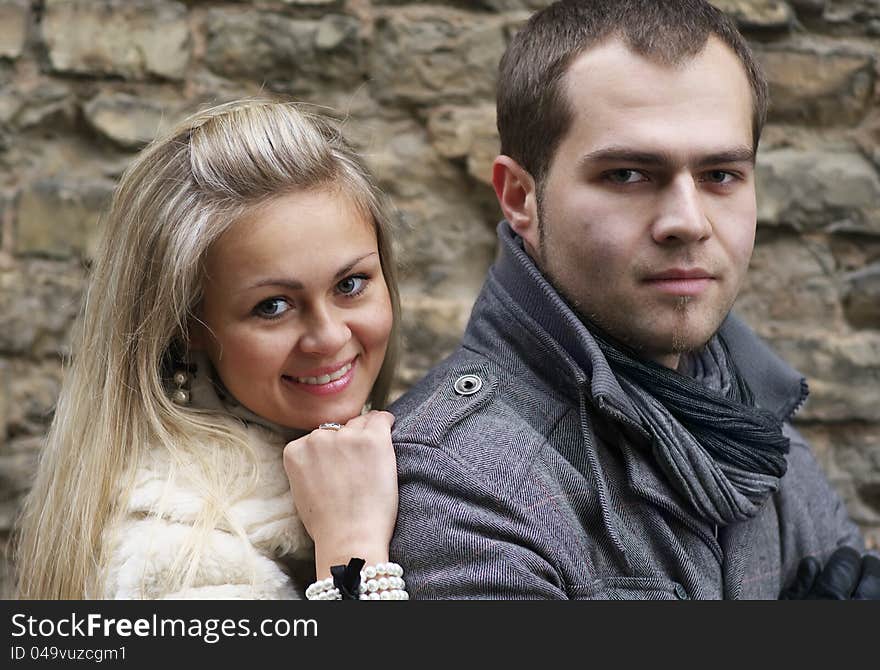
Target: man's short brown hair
{"x":533,"y":112}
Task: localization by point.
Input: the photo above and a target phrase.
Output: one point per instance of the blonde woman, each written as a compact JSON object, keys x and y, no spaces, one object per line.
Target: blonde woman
{"x":241,"y":315}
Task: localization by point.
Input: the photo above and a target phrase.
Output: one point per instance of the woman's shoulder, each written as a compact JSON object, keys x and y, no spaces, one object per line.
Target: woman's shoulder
{"x":145,"y":554}
{"x":241,"y":491}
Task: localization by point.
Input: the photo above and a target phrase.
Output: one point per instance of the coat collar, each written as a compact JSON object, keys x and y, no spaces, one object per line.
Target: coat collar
{"x":777,"y":386}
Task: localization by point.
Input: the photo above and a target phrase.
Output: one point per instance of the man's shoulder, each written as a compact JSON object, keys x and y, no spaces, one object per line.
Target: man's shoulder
{"x":473,"y":408}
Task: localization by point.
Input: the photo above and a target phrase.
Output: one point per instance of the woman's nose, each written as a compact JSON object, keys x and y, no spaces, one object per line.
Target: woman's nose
{"x":326,"y":332}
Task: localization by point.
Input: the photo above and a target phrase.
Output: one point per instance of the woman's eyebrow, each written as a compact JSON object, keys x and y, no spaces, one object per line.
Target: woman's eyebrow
{"x":296,"y":285}
{"x":345,"y":270}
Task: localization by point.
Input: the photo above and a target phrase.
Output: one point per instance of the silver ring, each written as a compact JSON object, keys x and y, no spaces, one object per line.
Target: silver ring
{"x":330,"y":426}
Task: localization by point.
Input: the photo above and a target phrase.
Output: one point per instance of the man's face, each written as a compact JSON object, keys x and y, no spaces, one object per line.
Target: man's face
{"x":648,"y":210}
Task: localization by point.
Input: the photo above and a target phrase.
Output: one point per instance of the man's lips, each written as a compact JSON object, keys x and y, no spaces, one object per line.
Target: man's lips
{"x":681,"y":273}
{"x":681,"y":281}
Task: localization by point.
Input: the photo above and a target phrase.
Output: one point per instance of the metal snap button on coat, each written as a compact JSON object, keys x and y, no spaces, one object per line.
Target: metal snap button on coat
{"x":468,"y":384}
{"x":680,"y":592}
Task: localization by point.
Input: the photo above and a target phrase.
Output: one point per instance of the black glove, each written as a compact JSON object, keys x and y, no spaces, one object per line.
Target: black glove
{"x":846,"y":576}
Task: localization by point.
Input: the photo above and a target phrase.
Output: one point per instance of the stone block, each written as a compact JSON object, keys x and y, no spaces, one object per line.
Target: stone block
{"x":819,"y":89}
{"x":18,"y":464}
{"x":850,"y":456}
{"x":134,"y":38}
{"x":39,"y":300}
{"x":288,"y":54}
{"x":128,"y":121}
{"x":851,"y":13}
{"x":526,"y":6}
{"x":809,"y":8}
{"x":843,"y":372}
{"x":466,"y":133}
{"x":432,"y":328}
{"x":5,"y":376}
{"x":13,"y":27}
{"x":862,"y":302}
{"x":790,"y":281}
{"x":59,"y":217}
{"x":49,"y":105}
{"x":758,"y":14}
{"x":446,"y":243}
{"x":430,"y":56}
{"x":33,"y":389}
{"x":818,"y":189}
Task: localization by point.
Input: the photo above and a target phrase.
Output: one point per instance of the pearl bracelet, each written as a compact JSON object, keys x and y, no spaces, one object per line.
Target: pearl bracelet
{"x":323,"y":589}
{"x":382,"y":581}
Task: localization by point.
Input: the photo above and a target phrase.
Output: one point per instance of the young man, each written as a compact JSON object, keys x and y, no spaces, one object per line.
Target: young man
{"x":607,"y":429}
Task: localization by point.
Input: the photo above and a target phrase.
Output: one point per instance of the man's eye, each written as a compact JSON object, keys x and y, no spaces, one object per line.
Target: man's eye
{"x":351,"y":286}
{"x":719,"y":176}
{"x":271,"y":308}
{"x":624,"y":176}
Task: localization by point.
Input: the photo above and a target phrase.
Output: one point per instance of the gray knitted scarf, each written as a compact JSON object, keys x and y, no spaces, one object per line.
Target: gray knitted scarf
{"x":723,"y":454}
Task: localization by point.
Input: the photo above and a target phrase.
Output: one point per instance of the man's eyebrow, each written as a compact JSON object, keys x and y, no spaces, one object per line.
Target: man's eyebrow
{"x":296,"y":285}
{"x":621,"y":154}
{"x":735,"y":155}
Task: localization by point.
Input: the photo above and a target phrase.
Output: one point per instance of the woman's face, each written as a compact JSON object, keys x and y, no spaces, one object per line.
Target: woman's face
{"x":296,"y":313}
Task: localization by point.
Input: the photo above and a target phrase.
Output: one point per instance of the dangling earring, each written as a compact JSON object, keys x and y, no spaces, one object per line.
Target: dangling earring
{"x":181,"y":395}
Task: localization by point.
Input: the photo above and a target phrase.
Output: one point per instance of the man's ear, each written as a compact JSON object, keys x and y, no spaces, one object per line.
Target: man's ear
{"x":515,"y":190}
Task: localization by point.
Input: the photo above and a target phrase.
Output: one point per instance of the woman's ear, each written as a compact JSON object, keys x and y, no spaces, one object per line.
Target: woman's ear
{"x":197,"y":334}
{"x":515,"y":190}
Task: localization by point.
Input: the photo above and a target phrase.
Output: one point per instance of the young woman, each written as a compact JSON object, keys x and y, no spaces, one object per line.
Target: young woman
{"x":241,"y":317}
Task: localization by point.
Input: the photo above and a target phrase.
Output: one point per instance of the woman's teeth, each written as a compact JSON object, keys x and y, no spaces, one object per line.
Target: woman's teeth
{"x":325,"y":379}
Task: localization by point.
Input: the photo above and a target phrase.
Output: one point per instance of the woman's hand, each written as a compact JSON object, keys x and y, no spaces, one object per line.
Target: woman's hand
{"x":344,"y":486}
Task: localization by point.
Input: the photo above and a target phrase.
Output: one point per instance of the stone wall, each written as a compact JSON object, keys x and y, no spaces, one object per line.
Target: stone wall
{"x":85,"y":83}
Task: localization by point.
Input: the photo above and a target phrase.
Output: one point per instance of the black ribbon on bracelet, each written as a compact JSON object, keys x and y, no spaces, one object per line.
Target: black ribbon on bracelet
{"x":347,"y":578}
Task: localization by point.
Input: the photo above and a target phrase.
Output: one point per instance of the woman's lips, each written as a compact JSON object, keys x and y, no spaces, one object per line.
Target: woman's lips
{"x":324,"y":384}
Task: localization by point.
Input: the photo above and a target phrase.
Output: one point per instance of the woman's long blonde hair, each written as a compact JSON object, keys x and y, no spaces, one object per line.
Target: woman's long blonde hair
{"x":176,"y":198}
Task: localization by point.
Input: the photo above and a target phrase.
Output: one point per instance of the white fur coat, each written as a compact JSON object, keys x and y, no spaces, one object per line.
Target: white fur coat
{"x":157,"y":521}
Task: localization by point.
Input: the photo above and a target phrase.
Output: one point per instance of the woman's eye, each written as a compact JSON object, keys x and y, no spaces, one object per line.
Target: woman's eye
{"x":353,"y":285}
{"x":624,"y":176}
{"x":272,"y":308}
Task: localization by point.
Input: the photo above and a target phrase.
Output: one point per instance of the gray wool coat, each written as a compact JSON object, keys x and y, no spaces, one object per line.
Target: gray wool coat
{"x":520,"y":478}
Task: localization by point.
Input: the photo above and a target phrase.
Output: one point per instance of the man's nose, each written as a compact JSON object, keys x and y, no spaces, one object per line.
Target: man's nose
{"x":681,"y":217}
{"x":326,"y":331}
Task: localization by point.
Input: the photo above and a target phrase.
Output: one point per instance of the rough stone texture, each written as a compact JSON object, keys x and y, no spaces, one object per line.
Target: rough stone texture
{"x":444,"y":245}
{"x":808,"y":8}
{"x":829,"y":190}
{"x":420,"y":54}
{"x":59,"y":217}
{"x":790,"y":276}
{"x":38,"y":302}
{"x":50,"y":106}
{"x":862,"y":301}
{"x":135,"y":38}
{"x":843,"y":372}
{"x":850,"y":453}
{"x":127,"y":120}
{"x":758,"y":14}
{"x":852,"y":16}
{"x":289,"y":54}
{"x":31,"y":391}
{"x":816,"y":88}
{"x":18,"y":460}
{"x":431,"y":327}
{"x":13,"y":27}
{"x":467,"y":133}
{"x":83,"y":83}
